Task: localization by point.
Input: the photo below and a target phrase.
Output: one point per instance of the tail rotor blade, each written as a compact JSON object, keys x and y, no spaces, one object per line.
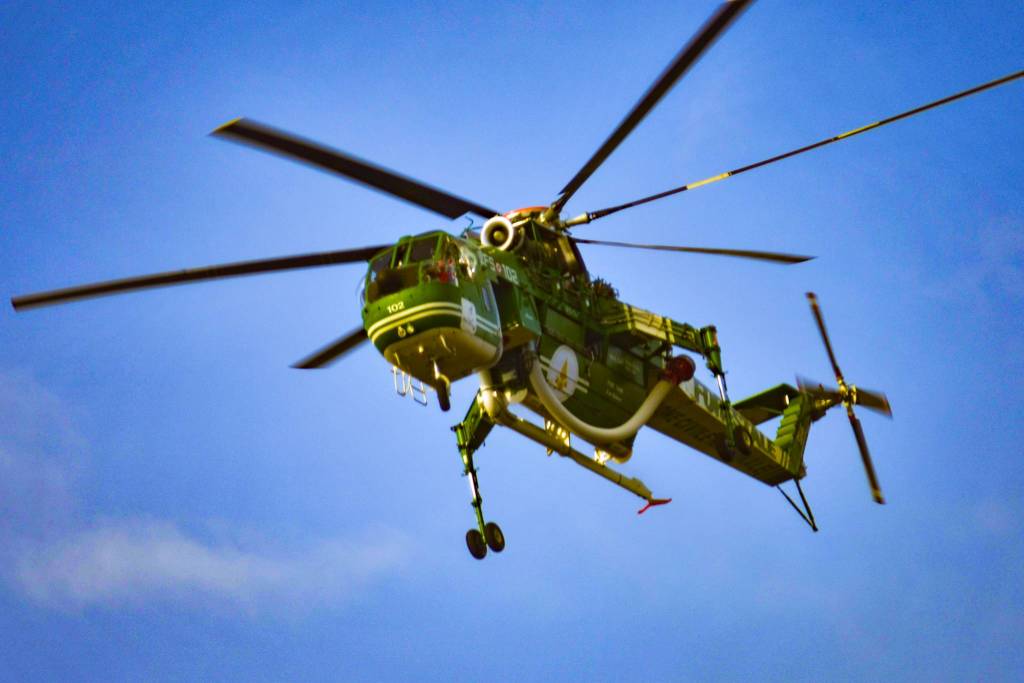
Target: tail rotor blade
{"x":869,"y":468}
{"x":809,"y":385}
{"x":333,"y":351}
{"x":818,"y":390}
{"x":816,"y":310}
{"x":874,"y":400}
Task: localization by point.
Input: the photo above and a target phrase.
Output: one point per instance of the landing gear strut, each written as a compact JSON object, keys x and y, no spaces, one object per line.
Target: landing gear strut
{"x":470,"y":434}
{"x":487,"y":534}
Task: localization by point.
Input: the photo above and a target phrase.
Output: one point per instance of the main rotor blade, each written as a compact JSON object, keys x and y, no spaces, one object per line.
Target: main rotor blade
{"x":865,"y":456}
{"x":687,"y":57}
{"x":816,"y":310}
{"x":594,"y":215}
{"x":333,"y":351}
{"x":787,"y":259}
{"x":327,"y":159}
{"x":177,"y":277}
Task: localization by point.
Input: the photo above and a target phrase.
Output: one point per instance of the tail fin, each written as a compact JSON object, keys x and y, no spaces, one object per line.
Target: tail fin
{"x":797,"y":410}
{"x":791,"y":437}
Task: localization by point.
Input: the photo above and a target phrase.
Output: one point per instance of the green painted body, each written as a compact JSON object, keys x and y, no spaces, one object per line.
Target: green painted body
{"x":441,"y":308}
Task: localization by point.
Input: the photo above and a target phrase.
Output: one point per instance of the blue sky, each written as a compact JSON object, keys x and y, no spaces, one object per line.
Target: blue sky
{"x":176,"y":502}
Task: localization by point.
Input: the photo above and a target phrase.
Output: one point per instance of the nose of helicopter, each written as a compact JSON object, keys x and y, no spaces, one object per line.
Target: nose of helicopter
{"x":428,"y":321}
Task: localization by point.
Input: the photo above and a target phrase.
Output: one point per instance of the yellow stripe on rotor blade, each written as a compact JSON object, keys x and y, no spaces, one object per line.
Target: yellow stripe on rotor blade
{"x":858,"y":130}
{"x":707,"y":181}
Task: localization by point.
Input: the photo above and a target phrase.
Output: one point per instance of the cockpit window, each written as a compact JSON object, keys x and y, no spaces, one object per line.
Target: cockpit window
{"x":379,"y":264}
{"x":410,"y":263}
{"x":423,"y":249}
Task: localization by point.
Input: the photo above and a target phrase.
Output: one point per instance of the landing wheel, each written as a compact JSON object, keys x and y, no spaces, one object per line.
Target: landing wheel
{"x":495,"y":538}
{"x":476,"y":544}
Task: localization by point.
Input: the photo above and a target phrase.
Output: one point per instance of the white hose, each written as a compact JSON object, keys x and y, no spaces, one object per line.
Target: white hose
{"x":589,"y":432}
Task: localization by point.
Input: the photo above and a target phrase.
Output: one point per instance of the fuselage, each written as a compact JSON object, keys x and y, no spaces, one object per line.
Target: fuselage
{"x":442,"y":308}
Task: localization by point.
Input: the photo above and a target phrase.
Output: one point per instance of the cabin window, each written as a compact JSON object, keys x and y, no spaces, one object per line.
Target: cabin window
{"x":488,"y":296}
{"x":452,"y":251}
{"x":453,"y":255}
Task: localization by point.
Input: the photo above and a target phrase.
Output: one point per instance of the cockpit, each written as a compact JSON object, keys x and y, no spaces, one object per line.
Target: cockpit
{"x":431,"y":257}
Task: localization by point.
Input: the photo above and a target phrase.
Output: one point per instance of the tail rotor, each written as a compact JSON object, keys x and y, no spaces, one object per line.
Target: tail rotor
{"x":847,"y":395}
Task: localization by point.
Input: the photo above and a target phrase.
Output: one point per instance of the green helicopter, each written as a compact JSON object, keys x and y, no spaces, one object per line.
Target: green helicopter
{"x":514,"y":304}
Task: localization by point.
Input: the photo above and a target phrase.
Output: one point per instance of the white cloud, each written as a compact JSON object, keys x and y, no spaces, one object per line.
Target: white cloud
{"x":134,"y":561}
{"x":56,"y":558}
